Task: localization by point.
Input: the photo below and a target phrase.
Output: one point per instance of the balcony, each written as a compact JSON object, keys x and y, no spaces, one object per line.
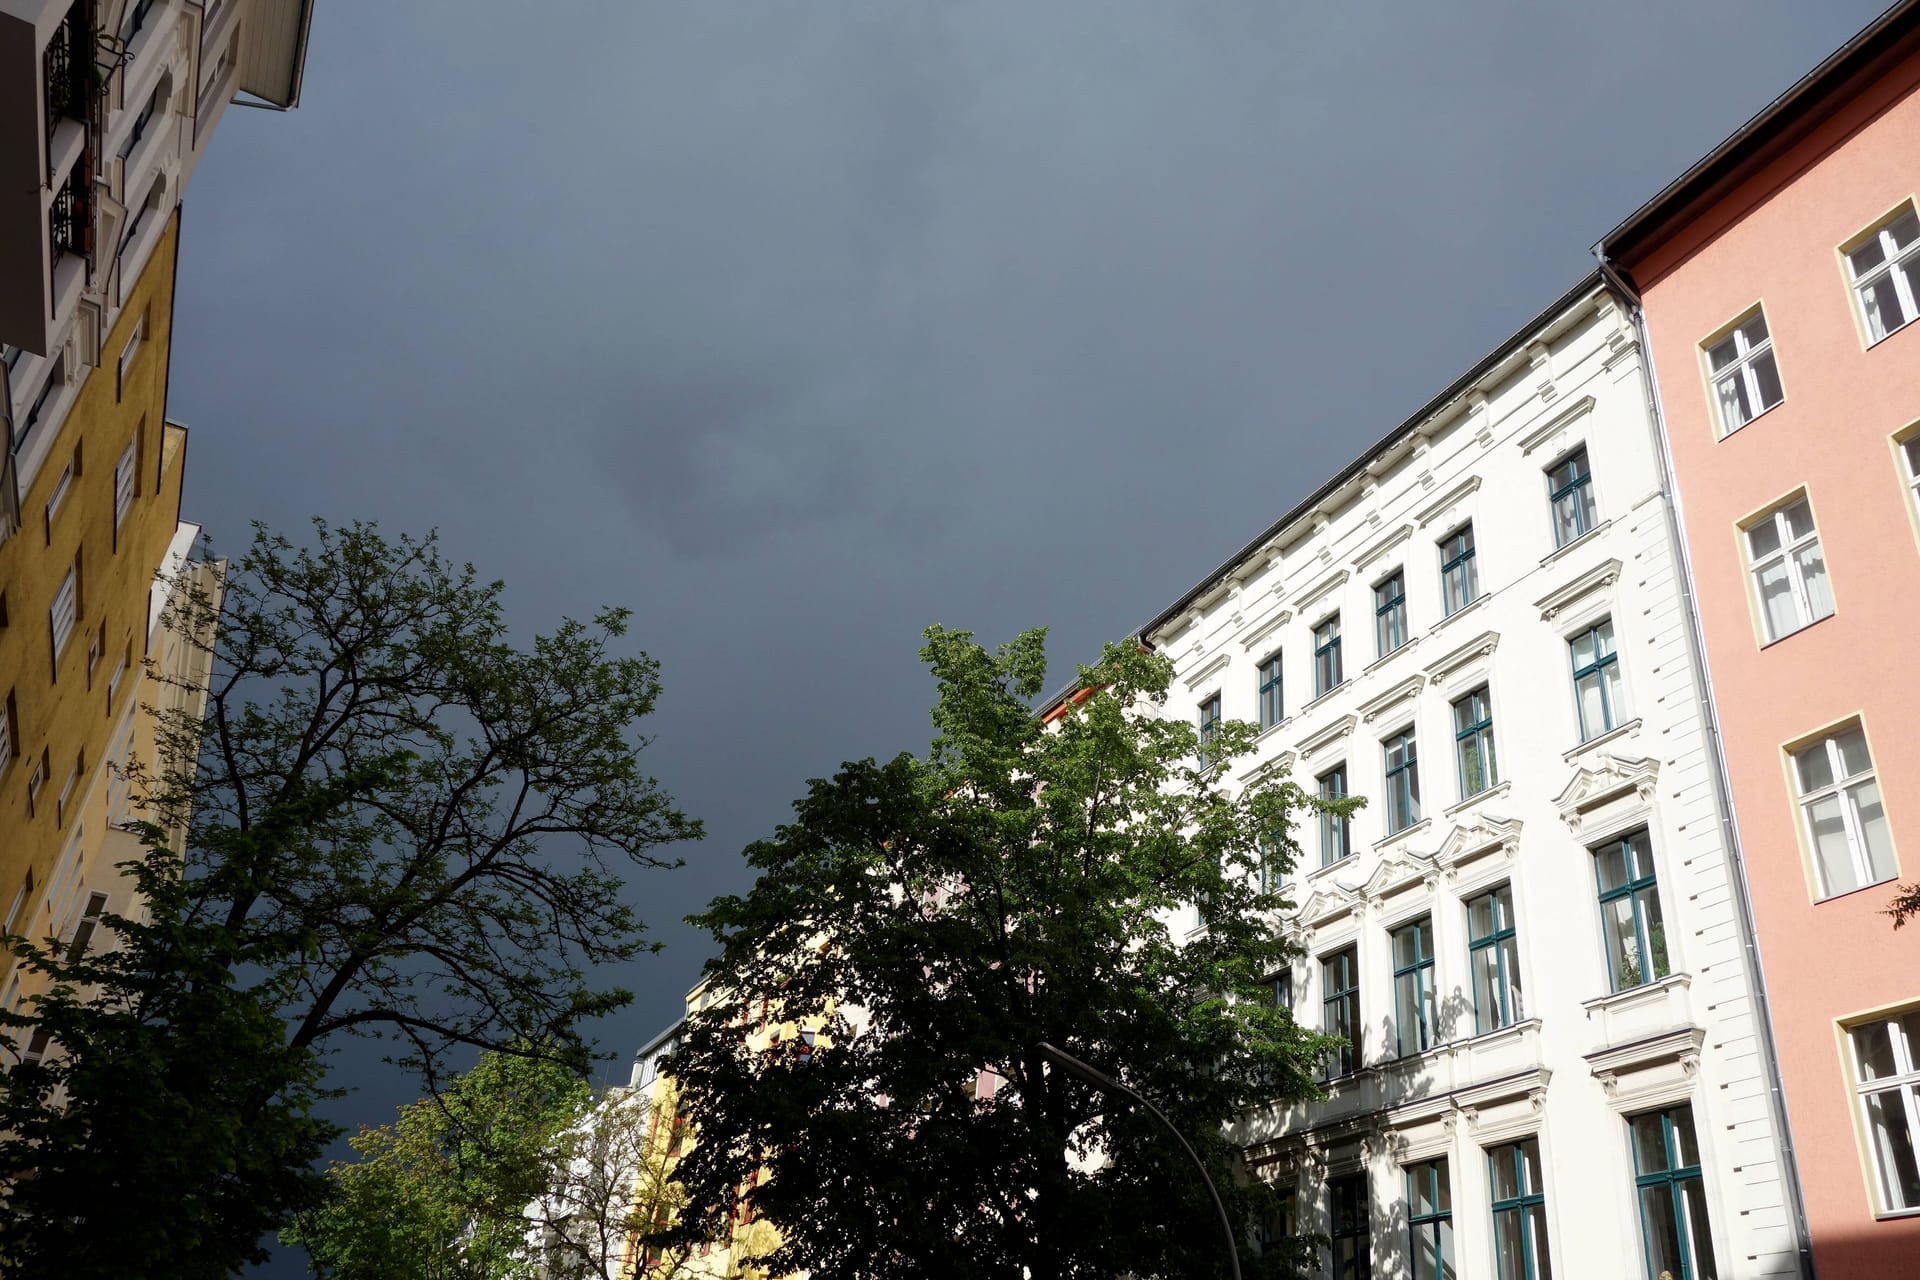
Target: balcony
{"x":68,"y":77}
{"x":70,"y":220}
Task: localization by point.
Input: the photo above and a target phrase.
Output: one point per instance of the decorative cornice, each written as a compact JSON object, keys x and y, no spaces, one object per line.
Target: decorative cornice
{"x":1483,"y":836}
{"x":1336,"y":730}
{"x":1598,"y":578}
{"x":1555,"y":425}
{"x":1405,"y":691}
{"x":1381,"y":547}
{"x":1213,"y":665}
{"x":1397,"y":872}
{"x":1264,"y":628}
{"x":1319,"y":590}
{"x":1679,"y":1047}
{"x":1438,"y":507}
{"x":1610,"y":779}
{"x":1443,"y":667}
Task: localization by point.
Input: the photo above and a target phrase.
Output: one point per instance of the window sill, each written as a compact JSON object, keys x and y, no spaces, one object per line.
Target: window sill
{"x":1893,"y":1215}
{"x":1591,"y":534}
{"x":1462,"y":611}
{"x":1478,"y":797}
{"x":1646,"y":993}
{"x":1870,"y":346}
{"x":1782,"y":639}
{"x":1729,"y":434}
{"x":1848,"y":893}
{"x":1402,"y":834}
{"x":1618,"y":731}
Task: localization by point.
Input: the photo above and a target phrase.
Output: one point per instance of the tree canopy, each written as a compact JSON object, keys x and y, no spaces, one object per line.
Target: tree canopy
{"x":391,"y":821}
{"x":933,"y":918}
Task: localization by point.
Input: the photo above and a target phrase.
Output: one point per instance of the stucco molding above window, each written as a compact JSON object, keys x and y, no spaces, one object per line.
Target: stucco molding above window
{"x":1400,"y":872}
{"x":1444,"y":504}
{"x":1552,"y":434}
{"x":1381,"y":547}
{"x":1591,"y":588}
{"x":1467,"y":661}
{"x":1313,"y":744}
{"x":1320,"y":590}
{"x":1649,"y":1072}
{"x":1598,"y":794}
{"x":1330,"y":903}
{"x":1405,"y":691}
{"x":1263,"y":629}
{"x":1218,"y":663}
{"x":1484,"y":836}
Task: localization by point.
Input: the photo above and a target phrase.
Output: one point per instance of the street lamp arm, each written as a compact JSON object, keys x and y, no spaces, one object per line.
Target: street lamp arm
{"x":1101,"y":1080}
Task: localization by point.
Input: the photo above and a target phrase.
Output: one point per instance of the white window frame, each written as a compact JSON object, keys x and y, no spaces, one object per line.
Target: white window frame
{"x":65,"y":612}
{"x":1747,"y":357}
{"x":58,"y":496}
{"x":125,"y":477}
{"x":1843,"y":786}
{"x":1785,"y":552}
{"x":132,"y":347}
{"x":113,"y":681}
{"x":6,"y":734}
{"x":1903,"y":265}
{"x":1905,"y":1081}
{"x":65,"y":798}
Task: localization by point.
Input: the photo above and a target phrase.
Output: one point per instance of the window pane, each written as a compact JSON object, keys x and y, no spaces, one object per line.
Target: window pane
{"x":1905,"y":230}
{"x":1777,"y":604}
{"x":1912,"y":449}
{"x":1799,"y":519}
{"x":1686,"y":1148}
{"x":1884,"y":312}
{"x":1722,"y":354}
{"x":1766,"y":377}
{"x":1873,"y":1048}
{"x":1854,"y":757}
{"x":1616,"y":695}
{"x":1867,"y":256}
{"x":1831,"y":849}
{"x":1623,"y":944}
{"x":1530,"y":1166}
{"x":1486,"y":988}
{"x":1480,"y":913}
{"x":1814,"y":766}
{"x":1656,"y":931}
{"x":1593,"y":706}
{"x":1763,"y":539}
{"x":1893,"y":1149}
{"x":1537,"y":1240}
{"x":1693,"y":1212}
{"x":1732,"y":393}
{"x":1813,"y":572}
{"x":1611,"y":860}
{"x":1873,"y":829}
{"x":1661,"y":1232}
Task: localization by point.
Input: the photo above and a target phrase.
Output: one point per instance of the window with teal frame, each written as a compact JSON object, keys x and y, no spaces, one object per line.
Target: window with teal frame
{"x":1335,"y":842}
{"x":1273,"y":707}
{"x":1597,"y":692}
{"x":1390,"y":613}
{"x":1327,"y":674}
{"x":1519,"y":1212}
{"x":1403,"y":781}
{"x":1414,"y":1016}
{"x":1473,"y":742}
{"x":1340,"y":1009}
{"x":1209,"y":728}
{"x":1570,"y":486}
{"x":1459,"y":580}
{"x":1675,"y":1234}
{"x":1630,"y":911}
{"x":1273,"y":870}
{"x":1430,"y":1221}
{"x":1493,"y":955}
{"x":1348,"y":1227}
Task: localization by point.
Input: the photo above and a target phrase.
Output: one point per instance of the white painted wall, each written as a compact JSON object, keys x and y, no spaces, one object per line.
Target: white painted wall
{"x":1583,"y":1059}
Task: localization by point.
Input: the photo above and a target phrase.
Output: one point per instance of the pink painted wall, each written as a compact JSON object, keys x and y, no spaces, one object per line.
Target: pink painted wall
{"x":1775,"y":240}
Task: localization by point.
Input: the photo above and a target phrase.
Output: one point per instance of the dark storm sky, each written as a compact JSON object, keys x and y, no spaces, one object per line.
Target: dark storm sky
{"x":797,"y":327}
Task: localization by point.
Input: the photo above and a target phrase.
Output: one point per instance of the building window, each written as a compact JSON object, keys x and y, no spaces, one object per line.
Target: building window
{"x":1403,"y":781}
{"x":1334,"y":842}
{"x":1209,"y":729}
{"x":1326,"y":656}
{"x":1630,"y":911}
{"x":89,"y":924}
{"x":1281,"y":988}
{"x":1430,"y":1220}
{"x":7,"y":746}
{"x":1519,"y":1212}
{"x":1746,"y":381}
{"x":1272,"y":702}
{"x":1570,"y":487}
{"x":125,"y":480}
{"x":1390,"y":613}
{"x":1415,"y":1020}
{"x":1840,"y":804}
{"x":63,"y":803}
{"x":1273,"y":867}
{"x":1884,"y":269}
{"x":1340,"y":1009}
{"x":1789,"y":573}
{"x":1347,"y":1222}
{"x":66,"y":608}
{"x":1459,"y":580}
{"x":37,"y":782}
{"x":61,"y":487}
{"x":1886,"y":1069}
{"x":119,"y":674}
{"x":1910,"y":455}
{"x":1597,"y":690}
{"x":1493,"y":954}
{"x":1673,"y":1200}
{"x":1473,"y":741}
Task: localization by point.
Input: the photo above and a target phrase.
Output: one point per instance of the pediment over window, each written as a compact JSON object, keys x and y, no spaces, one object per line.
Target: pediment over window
{"x":1650,"y":1071}
{"x":1444,"y":503}
{"x":1608,"y":781}
{"x":1580,"y":591}
{"x":1329,"y":903}
{"x":1212,"y":667}
{"x":1382,"y":546}
{"x":1550,"y":432}
{"x":1487,"y":834}
{"x":1265,"y":628}
{"x":1405,"y":691}
{"x":1398,"y":872}
{"x":1320,"y":589}
{"x":1334,"y":732}
{"x":1474,"y":651}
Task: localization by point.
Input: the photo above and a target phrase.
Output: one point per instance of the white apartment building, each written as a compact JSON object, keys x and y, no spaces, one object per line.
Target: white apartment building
{"x":105,"y":107}
{"x":1534,"y":933}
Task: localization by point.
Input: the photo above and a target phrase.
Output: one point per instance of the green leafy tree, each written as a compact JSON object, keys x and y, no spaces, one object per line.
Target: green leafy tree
{"x":444,"y":1192}
{"x":933,"y":917}
{"x":1905,"y":905}
{"x":389,"y":821}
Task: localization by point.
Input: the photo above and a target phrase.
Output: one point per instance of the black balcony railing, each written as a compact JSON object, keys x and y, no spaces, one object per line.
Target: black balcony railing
{"x":69,"y":68}
{"x":70,"y":220}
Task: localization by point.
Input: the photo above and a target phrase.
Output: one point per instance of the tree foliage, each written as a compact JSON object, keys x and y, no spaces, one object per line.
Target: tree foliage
{"x":937,"y":916}
{"x":443,"y":1192}
{"x":389,"y":822}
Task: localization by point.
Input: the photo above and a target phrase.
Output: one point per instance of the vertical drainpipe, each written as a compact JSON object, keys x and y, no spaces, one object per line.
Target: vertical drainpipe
{"x":1723,"y":788}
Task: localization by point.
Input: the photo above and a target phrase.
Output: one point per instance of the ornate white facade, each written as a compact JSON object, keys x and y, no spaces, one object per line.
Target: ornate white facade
{"x":1577,"y":1059}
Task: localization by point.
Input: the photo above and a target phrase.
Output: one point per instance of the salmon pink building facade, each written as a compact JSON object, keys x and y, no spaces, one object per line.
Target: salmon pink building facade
{"x":1779,"y":283}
